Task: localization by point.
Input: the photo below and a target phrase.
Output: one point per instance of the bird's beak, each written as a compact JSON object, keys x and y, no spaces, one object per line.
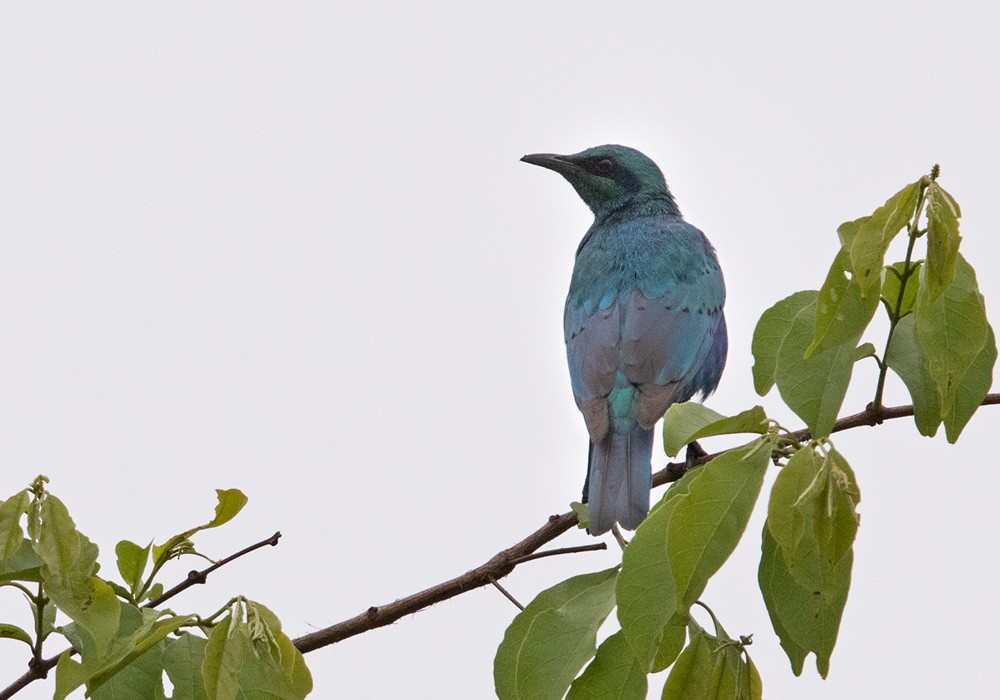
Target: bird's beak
{"x":552,"y":161}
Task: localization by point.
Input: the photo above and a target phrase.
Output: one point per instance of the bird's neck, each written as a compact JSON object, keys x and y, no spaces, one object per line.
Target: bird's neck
{"x":656,"y":204}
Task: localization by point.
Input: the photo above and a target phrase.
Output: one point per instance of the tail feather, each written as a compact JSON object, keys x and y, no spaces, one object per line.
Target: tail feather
{"x":618,"y":479}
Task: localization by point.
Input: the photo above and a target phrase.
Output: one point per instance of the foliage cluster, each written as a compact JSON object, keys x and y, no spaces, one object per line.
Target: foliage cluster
{"x":124,"y":638}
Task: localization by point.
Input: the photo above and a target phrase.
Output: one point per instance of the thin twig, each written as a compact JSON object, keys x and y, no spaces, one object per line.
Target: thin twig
{"x":562,"y":550}
{"x":39,"y":668}
{"x":506,"y":593}
{"x":497,"y":567}
{"x":196,"y":577}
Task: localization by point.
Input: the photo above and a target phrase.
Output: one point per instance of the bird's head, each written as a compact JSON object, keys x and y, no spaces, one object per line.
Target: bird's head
{"x":609,"y":178}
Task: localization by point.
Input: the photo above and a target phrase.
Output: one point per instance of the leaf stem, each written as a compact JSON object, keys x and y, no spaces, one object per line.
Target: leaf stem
{"x":40,"y":601}
{"x":210,"y":620}
{"x":912,"y":233}
{"x":24,"y":589}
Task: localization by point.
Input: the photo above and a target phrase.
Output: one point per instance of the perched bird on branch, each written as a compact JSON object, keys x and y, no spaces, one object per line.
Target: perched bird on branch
{"x":644,"y":325}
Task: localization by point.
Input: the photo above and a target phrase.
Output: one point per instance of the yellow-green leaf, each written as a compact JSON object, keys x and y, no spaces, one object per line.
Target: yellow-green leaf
{"x":942,"y":239}
{"x":14,"y":632}
{"x":951,"y":330}
{"x":132,"y":562}
{"x":903,"y":356}
{"x":770,"y":333}
{"x":248,"y":655}
{"x":686,"y":422}
{"x":842,"y":311}
{"x":867,"y":239}
{"x":814,"y":387}
{"x":892,"y":287}
{"x":11,"y":533}
{"x":972,"y":388}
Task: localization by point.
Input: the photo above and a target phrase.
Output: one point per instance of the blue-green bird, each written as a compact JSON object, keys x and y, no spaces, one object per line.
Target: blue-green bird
{"x":644,"y":325}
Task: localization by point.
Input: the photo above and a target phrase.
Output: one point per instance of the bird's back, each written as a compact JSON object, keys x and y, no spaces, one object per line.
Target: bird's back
{"x":645,"y":300}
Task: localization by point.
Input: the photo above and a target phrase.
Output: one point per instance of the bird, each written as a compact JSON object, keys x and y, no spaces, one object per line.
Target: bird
{"x":644,"y":324}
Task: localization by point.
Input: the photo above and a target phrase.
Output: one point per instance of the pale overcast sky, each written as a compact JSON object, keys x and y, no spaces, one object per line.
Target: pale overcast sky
{"x":289,"y":248}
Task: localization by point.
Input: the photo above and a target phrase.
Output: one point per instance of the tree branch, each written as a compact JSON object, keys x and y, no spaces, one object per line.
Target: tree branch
{"x":196,"y":577}
{"x":502,"y":563}
{"x":39,"y":669}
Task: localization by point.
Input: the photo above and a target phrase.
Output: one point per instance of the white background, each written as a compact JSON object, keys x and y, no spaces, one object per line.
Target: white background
{"x":289,"y":248}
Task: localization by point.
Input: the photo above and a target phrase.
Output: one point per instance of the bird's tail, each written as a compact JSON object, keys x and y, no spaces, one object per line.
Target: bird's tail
{"x":618,"y":479}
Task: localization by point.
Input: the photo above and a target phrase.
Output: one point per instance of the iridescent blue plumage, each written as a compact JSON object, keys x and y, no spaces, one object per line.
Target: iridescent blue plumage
{"x":643,"y":325}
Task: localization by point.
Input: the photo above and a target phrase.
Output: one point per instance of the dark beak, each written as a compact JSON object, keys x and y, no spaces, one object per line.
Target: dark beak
{"x":552,"y":161}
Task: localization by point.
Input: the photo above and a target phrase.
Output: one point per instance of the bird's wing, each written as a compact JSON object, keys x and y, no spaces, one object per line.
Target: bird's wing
{"x":658,"y":344}
{"x":665,"y":341}
{"x":592,"y":339}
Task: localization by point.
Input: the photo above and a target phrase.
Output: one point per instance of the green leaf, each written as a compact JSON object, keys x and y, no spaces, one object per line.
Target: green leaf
{"x":11,"y":534}
{"x":942,"y":239}
{"x":248,"y":656}
{"x":58,"y":543}
{"x":713,"y":668}
{"x":132,"y":562}
{"x":863,"y":351}
{"x":805,"y":619}
{"x":867,"y":239}
{"x":646,"y":591}
{"x":686,"y":422}
{"x":22,"y":565}
{"x":814,"y":387}
{"x":582,"y":511}
{"x":892,"y":286}
{"x":710,"y":519}
{"x":231,"y":502}
{"x":674,"y":636}
{"x":682,"y":420}
{"x":69,"y":562}
{"x":770,"y":333}
{"x":553,"y":637}
{"x":70,"y":675}
{"x":15,"y":632}
{"x":614,"y":673}
{"x":812,"y":513}
{"x":951,"y":330}
{"x":691,"y":678}
{"x":972,"y":389}
{"x":182,"y":660}
{"x":790,"y":502}
{"x":141,"y":679}
{"x":903,"y":356}
{"x":842,"y":311}
{"x":682,"y":543}
{"x":140,"y":644}
{"x":92,"y":604}
{"x":806,"y":559}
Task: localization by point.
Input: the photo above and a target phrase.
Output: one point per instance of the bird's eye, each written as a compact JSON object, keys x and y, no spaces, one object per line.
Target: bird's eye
{"x":604,"y":166}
